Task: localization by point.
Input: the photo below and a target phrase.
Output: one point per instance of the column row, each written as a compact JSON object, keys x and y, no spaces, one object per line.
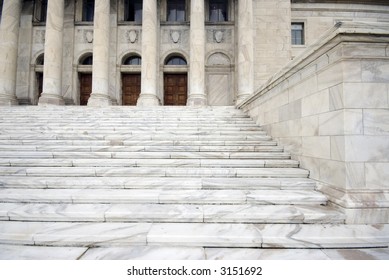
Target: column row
{"x":52,"y":82}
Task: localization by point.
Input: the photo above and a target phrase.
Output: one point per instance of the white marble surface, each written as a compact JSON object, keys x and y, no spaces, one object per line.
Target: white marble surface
{"x":15,"y":252}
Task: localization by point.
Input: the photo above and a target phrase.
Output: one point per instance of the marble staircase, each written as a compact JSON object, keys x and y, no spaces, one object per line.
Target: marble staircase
{"x":163,"y":176}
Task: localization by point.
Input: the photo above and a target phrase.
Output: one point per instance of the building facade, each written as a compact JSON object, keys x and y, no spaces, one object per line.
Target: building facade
{"x":157,"y":52}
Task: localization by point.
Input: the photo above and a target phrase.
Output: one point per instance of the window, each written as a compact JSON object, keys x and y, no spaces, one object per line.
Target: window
{"x":40,"y":10}
{"x":298,"y":33}
{"x":133,"y":60}
{"x":1,"y":8}
{"x":87,"y":60}
{"x":218,"y":10}
{"x":176,"y":60}
{"x":88,"y":10}
{"x":176,"y":10}
{"x":133,"y":10}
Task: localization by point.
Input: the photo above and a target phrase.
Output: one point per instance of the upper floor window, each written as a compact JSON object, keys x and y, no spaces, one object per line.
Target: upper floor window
{"x":133,"y":10}
{"x":218,"y":10}
{"x":298,"y":37}
{"x":176,"y":10}
{"x":87,"y":60}
{"x":88,"y":10}
{"x":133,"y":60}
{"x":40,"y":10}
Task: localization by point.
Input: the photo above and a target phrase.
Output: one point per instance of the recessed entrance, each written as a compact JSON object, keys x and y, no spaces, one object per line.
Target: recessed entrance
{"x":85,"y":88}
{"x":131,"y":88}
{"x":175,"y":89}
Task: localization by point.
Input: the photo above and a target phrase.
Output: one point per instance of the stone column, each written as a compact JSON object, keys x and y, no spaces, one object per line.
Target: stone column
{"x":100,"y":76}
{"x":52,"y":69}
{"x":245,"y":49}
{"x":149,"y":83}
{"x":197,"y":95}
{"x":9,"y":36}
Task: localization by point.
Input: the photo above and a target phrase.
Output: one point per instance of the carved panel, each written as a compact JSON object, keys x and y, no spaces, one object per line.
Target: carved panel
{"x":218,"y":59}
{"x":219,"y":36}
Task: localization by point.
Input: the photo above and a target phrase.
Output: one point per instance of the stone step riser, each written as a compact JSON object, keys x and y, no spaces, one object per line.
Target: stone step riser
{"x":146,"y":163}
{"x":168,"y":213}
{"x":155,"y":172}
{"x":192,"y":234}
{"x":158,"y":183}
{"x":162,"y":196}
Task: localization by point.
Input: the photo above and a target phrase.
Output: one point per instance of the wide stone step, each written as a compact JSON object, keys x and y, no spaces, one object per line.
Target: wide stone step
{"x":193,"y":234}
{"x":43,"y":148}
{"x":212,"y":163}
{"x":163,"y":196}
{"x":175,"y":183}
{"x":168,"y":213}
{"x":272,"y":153}
{"x":86,"y":142}
{"x":155,"y":172}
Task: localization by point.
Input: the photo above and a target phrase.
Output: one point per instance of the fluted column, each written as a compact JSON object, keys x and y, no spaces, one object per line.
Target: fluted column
{"x":149,"y":83}
{"x":100,"y":75}
{"x":197,"y":95}
{"x":52,"y":69}
{"x":245,"y":50}
{"x":9,"y":36}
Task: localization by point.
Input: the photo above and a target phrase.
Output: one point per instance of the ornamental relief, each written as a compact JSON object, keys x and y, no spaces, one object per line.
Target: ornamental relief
{"x":39,"y":37}
{"x":174,"y":36}
{"x":219,"y":36}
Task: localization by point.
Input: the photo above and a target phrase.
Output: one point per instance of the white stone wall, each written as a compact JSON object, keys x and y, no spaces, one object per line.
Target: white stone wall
{"x":330,"y":108}
{"x":272,"y":37}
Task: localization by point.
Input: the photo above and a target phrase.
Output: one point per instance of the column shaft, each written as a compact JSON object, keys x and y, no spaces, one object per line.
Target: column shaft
{"x":52,"y":69}
{"x":149,"y":83}
{"x":197,"y":95}
{"x":101,"y":34}
{"x":245,"y":50}
{"x":9,"y":37}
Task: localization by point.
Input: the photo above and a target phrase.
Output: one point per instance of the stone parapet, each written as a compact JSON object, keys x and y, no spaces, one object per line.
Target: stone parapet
{"x":330,"y":108}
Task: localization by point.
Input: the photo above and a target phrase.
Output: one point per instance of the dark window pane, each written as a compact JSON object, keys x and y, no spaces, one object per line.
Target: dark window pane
{"x":44,"y":11}
{"x":298,"y":34}
{"x":1,"y":8}
{"x":87,"y":60}
{"x":133,"y":60}
{"x":176,"y":60}
{"x":133,"y":10}
{"x":176,"y":10}
{"x":218,"y":10}
{"x":88,"y":10}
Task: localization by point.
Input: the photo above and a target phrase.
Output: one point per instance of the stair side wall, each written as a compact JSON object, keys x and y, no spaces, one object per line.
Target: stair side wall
{"x":330,"y":108}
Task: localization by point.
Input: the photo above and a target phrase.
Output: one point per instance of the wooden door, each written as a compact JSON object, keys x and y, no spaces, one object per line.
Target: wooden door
{"x":130,"y":89}
{"x":175,"y":89}
{"x":85,"y":88}
{"x":39,"y":82}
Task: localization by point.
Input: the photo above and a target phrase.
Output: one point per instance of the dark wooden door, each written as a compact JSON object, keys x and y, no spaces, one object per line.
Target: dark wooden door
{"x":39,"y":81}
{"x":130,"y":88}
{"x":85,"y":88}
{"x":175,"y":89}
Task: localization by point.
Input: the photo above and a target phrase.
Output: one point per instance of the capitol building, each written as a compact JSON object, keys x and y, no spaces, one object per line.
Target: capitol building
{"x":194,"y":123}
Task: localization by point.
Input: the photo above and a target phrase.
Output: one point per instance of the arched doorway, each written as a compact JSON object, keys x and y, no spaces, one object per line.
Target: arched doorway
{"x":85,"y":78}
{"x":131,"y":79}
{"x":175,"y":81}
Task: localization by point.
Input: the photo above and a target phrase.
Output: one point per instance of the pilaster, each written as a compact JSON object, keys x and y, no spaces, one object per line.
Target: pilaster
{"x":197,"y":95}
{"x":9,"y":35}
{"x":245,"y":50}
{"x":52,"y":70}
{"x":101,"y":32}
{"x":149,"y":82}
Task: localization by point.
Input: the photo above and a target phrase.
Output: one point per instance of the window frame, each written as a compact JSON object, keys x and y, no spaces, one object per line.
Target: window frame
{"x":298,"y":40}
{"x":85,"y":16}
{"x":228,"y":13}
{"x":177,"y":3}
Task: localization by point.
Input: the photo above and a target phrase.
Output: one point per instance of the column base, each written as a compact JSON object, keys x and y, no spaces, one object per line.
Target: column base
{"x":99,"y":100}
{"x":51,"y":99}
{"x":146,"y":99}
{"x":197,"y":100}
{"x":8,"y":100}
